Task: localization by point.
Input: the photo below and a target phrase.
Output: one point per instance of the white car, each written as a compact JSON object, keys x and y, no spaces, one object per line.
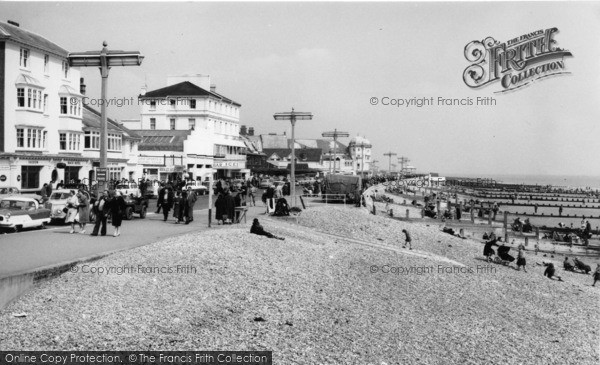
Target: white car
{"x":18,"y":212}
{"x":129,"y":188}
{"x":57,"y":202}
{"x":198,"y":187}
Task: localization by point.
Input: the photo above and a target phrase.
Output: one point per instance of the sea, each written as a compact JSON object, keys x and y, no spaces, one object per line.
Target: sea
{"x":569,"y":181}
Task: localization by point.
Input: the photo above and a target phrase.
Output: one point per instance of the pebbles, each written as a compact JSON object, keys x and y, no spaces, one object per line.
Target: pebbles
{"x":312,"y":299}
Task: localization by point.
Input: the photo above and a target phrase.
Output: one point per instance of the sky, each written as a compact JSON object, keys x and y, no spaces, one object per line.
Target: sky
{"x":332,"y":59}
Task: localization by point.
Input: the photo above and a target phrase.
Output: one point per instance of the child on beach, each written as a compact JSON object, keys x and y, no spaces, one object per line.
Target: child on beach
{"x":408,"y":240}
{"x":596,"y":274}
{"x":521,"y":259}
{"x":550,"y":272}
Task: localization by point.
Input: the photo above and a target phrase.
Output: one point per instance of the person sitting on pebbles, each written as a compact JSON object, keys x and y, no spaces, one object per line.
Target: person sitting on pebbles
{"x":551,"y":271}
{"x":596,"y":274}
{"x":259,"y":230}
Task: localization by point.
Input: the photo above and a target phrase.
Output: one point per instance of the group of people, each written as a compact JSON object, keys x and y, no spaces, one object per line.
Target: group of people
{"x":181,"y":200}
{"x":109,"y":203}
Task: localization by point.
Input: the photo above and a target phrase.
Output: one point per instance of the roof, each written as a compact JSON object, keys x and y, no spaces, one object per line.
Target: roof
{"x":303,"y":154}
{"x":186,"y":89}
{"x":93,"y":119}
{"x":162,"y":140}
{"x":274,"y":141}
{"x":15,"y":34}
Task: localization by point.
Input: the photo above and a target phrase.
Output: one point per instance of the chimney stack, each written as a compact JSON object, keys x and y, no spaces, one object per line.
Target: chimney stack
{"x":81,"y":86}
{"x":251,"y":131}
{"x":213,"y":88}
{"x":12,"y":22}
{"x":243,"y":130}
{"x":143,"y":90}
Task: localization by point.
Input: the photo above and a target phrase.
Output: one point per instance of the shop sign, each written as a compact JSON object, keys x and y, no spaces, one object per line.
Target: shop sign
{"x":151,"y":160}
{"x":228,"y":164}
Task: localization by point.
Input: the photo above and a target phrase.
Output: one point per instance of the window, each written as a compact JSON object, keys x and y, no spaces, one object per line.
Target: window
{"x":91,"y":140}
{"x":63,"y":141}
{"x":46,"y":63}
{"x":31,"y":138}
{"x":192,"y":123}
{"x":45,"y":103}
{"x":63,"y":105}
{"x":30,"y":177}
{"x":32,"y":101}
{"x":114,"y":142}
{"x":153,"y":105}
{"x":65,"y":69}
{"x":172,"y":102}
{"x":152,"y":123}
{"x":192,"y":103}
{"x":24,"y":60}
{"x":21,"y":97}
{"x":20,"y":138}
{"x":70,"y":141}
{"x":172,"y":122}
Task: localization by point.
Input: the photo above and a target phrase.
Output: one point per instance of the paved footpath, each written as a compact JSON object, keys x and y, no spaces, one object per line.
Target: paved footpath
{"x":24,"y":251}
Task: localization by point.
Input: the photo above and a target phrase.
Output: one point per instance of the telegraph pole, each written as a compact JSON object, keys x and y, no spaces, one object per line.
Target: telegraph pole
{"x":335,"y":134}
{"x":390,"y":154}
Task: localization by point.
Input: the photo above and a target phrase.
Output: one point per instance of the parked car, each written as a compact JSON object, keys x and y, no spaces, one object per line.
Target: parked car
{"x":198,"y":187}
{"x":18,"y":212}
{"x":135,"y":204}
{"x":128,"y":188}
{"x":57,"y":202}
{"x":9,"y":191}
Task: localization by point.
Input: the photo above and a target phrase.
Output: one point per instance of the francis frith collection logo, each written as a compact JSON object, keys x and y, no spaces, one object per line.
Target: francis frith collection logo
{"x":516,"y":62}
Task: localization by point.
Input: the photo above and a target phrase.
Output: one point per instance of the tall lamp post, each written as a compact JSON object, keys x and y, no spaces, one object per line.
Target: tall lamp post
{"x":104,"y":60}
{"x":402,"y":161}
{"x":335,"y":134}
{"x":390,"y":154}
{"x":293,"y":117}
{"x":374,"y":166}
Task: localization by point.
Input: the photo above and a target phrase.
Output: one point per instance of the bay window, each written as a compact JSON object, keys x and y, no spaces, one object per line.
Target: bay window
{"x":31,"y":138}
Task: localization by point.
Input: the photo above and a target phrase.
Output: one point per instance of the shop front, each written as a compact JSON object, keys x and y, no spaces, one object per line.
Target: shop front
{"x":230,"y":169}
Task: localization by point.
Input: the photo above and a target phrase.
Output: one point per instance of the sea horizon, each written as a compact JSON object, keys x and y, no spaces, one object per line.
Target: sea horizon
{"x":572,"y":181}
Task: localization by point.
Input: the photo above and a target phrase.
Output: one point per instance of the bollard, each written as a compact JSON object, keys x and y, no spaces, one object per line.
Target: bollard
{"x":526,"y":241}
{"x":404,"y":202}
{"x":391,"y":213}
{"x":422,"y":213}
{"x":472,"y":214}
{"x":407,"y":213}
{"x":374,"y":209}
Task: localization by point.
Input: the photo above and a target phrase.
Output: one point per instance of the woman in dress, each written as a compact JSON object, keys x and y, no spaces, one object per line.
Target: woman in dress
{"x":73,"y":210}
{"x":117,"y":206}
{"x":84,"y":210}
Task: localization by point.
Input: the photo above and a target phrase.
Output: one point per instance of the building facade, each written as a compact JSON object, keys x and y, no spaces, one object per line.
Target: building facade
{"x":188,"y":126}
{"x":46,"y":132}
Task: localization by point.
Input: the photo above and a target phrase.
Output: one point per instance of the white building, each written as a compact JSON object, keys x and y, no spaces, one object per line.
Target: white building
{"x":43,"y":123}
{"x":359,"y":149}
{"x":188,"y":126}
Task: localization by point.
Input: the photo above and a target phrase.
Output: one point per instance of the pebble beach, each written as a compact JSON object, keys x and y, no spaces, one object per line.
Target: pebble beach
{"x":339,"y":290}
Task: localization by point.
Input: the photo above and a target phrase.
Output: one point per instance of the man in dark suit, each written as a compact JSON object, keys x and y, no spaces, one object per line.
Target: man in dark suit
{"x":191,"y":200}
{"x":167,"y":196}
{"x":100,"y":209}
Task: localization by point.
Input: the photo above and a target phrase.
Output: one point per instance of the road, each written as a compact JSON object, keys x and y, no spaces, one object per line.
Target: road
{"x":32,"y":249}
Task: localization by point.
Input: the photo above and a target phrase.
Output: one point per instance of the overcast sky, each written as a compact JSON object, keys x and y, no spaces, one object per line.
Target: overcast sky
{"x":332,"y":58}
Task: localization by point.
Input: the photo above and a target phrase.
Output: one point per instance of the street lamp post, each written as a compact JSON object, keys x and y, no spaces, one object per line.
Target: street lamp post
{"x":335,"y":134}
{"x":390,"y":154}
{"x":104,"y":60}
{"x":293,"y":117}
{"x":402,"y":161}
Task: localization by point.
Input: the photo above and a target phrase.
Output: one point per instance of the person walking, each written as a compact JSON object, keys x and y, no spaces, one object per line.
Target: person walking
{"x":72,"y":210}
{"x":117,"y":206}
{"x":44,"y":193}
{"x":84,"y":210}
{"x":178,"y":206}
{"x":167,"y":201}
{"x":408,"y":240}
{"x":160,"y":199}
{"x":190,"y":201}
{"x":101,"y":211}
